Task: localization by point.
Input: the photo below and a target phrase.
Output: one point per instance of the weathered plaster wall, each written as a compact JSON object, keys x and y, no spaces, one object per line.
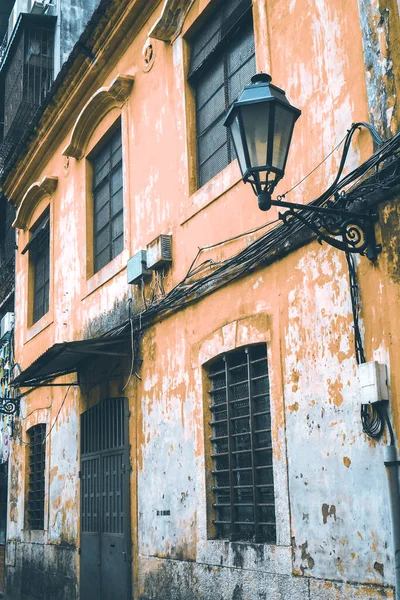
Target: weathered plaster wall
{"x":380,"y":29}
{"x":339,"y":530}
{"x":323,"y":402}
{"x":74,"y":14}
{"x":334,"y":542}
{"x":43,"y":564}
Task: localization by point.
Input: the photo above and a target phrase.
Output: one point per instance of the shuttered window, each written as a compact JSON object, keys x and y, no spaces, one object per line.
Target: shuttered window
{"x":39,"y":256}
{"x":36,"y":476}
{"x":222,"y":63}
{"x":243,"y":482}
{"x":108,"y":210}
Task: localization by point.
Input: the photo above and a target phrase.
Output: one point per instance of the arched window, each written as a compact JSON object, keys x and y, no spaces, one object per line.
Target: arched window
{"x":36,"y":477}
{"x":243,"y":482}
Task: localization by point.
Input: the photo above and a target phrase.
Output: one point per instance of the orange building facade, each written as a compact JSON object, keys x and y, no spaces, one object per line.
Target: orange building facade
{"x":197,"y":433}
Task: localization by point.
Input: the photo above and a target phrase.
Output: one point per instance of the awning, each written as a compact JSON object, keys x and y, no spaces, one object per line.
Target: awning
{"x":65,"y":358}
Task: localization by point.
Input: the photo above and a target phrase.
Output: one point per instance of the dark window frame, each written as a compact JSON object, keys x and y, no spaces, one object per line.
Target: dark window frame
{"x":39,"y":258}
{"x":242,"y":481}
{"x":105,"y":217}
{"x":212,"y":48}
{"x":36,"y":477}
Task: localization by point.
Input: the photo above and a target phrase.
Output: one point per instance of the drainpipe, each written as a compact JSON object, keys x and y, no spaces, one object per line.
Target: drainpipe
{"x":392,"y":465}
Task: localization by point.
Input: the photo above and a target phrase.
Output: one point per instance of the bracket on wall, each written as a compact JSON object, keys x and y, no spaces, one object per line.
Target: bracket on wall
{"x":169,"y":25}
{"x":345,"y":230}
{"x":9,"y":406}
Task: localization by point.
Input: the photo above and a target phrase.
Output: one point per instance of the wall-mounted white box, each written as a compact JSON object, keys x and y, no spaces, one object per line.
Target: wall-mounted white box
{"x":373,"y":382}
{"x":136,"y":268}
{"x":6,"y":324}
{"x":159,"y":252}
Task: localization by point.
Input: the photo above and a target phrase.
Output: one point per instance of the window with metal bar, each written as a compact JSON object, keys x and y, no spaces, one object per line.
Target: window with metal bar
{"x":243,"y":488}
{"x":28,"y":73}
{"x":108,"y":209}
{"x":39,"y":256}
{"x":222,"y":63}
{"x":36,"y":476}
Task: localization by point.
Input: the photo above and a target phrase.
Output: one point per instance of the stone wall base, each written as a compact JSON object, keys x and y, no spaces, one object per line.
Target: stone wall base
{"x":41,"y":572}
{"x":163,"y":579}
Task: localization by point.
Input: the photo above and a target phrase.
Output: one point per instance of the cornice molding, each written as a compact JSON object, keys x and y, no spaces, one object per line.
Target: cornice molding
{"x":94,"y":111}
{"x":169,"y":25}
{"x":108,"y":39}
{"x":35,"y":193}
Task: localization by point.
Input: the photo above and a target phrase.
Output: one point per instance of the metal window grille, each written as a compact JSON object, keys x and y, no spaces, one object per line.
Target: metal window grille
{"x":40,"y":259}
{"x":222,"y":63}
{"x":243,"y":490}
{"x":7,"y":249}
{"x":29,"y":75}
{"x":36,"y":476}
{"x":108,"y":209}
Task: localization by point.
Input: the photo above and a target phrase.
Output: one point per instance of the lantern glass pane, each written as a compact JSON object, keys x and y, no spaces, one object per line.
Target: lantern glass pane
{"x":256,"y":126}
{"x":237,"y":140}
{"x":284,"y":123}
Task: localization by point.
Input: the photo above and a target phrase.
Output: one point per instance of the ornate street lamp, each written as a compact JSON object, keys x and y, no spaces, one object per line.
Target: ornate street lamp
{"x":261,"y":123}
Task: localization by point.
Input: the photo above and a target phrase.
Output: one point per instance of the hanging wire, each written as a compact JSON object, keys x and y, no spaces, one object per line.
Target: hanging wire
{"x":355,"y":304}
{"x":58,"y":413}
{"x":267,"y":247}
{"x":231,"y":239}
{"x":131,"y":371}
{"x":17,"y":431}
{"x":389,"y":424}
{"x":372,"y":417}
{"x":315,"y":168}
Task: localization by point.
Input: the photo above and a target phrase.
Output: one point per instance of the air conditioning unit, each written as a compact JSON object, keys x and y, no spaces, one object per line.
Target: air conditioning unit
{"x":6,"y":324}
{"x":159,"y":252}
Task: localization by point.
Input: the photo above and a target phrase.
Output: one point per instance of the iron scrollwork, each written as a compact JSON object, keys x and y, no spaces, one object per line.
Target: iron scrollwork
{"x":345,"y":230}
{"x":9,"y":406}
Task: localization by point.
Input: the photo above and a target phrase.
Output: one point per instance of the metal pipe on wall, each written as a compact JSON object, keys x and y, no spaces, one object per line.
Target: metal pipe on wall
{"x":392,"y":467}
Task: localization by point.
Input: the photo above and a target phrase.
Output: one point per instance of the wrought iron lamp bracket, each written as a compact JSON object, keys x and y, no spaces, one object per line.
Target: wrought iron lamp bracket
{"x":9,"y":406}
{"x":345,"y":230}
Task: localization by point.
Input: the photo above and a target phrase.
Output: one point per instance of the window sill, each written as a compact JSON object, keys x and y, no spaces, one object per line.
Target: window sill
{"x":34,"y":536}
{"x":253,"y":557}
{"x":106,"y":273}
{"x":212,"y":190}
{"x":40,"y":325}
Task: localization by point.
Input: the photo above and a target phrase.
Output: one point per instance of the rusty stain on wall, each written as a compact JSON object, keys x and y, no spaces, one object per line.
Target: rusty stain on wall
{"x":330,"y":531}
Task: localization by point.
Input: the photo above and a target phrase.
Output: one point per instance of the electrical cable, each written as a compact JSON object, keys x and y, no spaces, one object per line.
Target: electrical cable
{"x":355,"y":304}
{"x":58,"y":413}
{"x":131,"y":371}
{"x":19,"y":437}
{"x":389,"y":424}
{"x":372,"y":419}
{"x":54,"y":422}
{"x":315,"y":168}
{"x":231,"y":239}
{"x":265,"y":248}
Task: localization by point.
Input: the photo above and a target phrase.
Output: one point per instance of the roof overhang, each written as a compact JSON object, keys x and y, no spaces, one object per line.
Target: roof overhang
{"x":66,"y":357}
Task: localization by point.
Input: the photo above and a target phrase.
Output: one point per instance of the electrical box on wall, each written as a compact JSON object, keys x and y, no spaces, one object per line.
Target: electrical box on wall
{"x":159,"y":252}
{"x":373,"y":382}
{"x":6,"y":324}
{"x":136,"y":268}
